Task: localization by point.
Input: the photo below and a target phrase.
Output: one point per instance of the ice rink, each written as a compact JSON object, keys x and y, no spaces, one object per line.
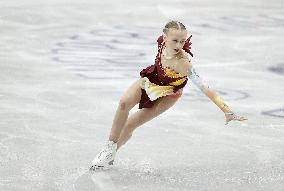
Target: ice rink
{"x":65,"y":64}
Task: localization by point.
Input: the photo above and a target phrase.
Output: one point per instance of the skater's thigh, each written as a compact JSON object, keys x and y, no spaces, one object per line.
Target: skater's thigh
{"x":158,"y":108}
{"x":132,"y":95}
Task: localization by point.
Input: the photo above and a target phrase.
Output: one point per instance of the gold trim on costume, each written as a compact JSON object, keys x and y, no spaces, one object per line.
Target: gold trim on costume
{"x":155,"y":91}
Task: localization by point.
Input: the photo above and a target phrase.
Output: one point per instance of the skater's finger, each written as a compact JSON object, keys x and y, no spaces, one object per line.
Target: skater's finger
{"x":227,"y":121}
{"x":238,"y":118}
{"x":241,"y":118}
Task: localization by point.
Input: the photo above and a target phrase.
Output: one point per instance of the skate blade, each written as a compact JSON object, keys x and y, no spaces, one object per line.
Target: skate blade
{"x":100,"y":168}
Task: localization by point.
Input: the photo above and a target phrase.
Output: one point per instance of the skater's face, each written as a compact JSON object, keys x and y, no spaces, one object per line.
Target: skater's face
{"x":174,"y":40}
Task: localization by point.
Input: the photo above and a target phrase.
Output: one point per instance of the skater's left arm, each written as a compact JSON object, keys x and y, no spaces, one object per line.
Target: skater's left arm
{"x":211,"y":94}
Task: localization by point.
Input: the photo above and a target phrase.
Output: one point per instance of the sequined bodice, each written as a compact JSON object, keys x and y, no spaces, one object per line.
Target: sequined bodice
{"x":162,"y":76}
{"x":166,"y":71}
{"x":161,"y":81}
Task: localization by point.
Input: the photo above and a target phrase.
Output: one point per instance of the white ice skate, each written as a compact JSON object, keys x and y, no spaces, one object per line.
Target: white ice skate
{"x":105,"y":158}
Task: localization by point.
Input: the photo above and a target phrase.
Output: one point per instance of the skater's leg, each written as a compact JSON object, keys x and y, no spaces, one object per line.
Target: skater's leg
{"x":142,"y":116}
{"x":128,"y":100}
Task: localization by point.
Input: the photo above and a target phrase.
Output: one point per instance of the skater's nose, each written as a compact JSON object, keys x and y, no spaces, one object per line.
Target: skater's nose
{"x":179,"y":45}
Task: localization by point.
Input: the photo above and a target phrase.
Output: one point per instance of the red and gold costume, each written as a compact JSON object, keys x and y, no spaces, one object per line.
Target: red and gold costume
{"x":161,"y":81}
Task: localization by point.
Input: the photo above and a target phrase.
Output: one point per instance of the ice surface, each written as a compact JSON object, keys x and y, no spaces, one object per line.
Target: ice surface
{"x":65,"y":64}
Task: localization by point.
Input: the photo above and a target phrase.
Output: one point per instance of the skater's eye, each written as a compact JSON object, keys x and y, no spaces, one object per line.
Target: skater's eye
{"x":180,"y":41}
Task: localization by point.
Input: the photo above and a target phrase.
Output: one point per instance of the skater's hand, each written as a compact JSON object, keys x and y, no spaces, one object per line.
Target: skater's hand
{"x":232,"y":116}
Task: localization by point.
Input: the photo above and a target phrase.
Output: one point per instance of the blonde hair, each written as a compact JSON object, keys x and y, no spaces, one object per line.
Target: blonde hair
{"x":173,"y":25}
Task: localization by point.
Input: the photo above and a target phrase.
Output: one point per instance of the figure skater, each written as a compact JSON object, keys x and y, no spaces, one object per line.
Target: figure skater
{"x":158,"y":89}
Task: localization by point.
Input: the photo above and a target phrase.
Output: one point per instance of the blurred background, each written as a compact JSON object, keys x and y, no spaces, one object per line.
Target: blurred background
{"x":65,"y":64}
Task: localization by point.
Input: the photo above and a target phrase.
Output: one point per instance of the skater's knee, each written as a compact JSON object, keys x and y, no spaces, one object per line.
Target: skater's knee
{"x":124,"y":104}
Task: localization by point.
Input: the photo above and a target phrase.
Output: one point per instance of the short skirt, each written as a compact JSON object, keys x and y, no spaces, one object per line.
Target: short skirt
{"x":152,"y":92}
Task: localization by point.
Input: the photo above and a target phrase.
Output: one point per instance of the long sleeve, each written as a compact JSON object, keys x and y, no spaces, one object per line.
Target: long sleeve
{"x":197,"y":80}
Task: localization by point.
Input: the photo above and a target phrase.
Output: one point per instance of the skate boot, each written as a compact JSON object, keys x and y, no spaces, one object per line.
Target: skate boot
{"x":105,"y":158}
